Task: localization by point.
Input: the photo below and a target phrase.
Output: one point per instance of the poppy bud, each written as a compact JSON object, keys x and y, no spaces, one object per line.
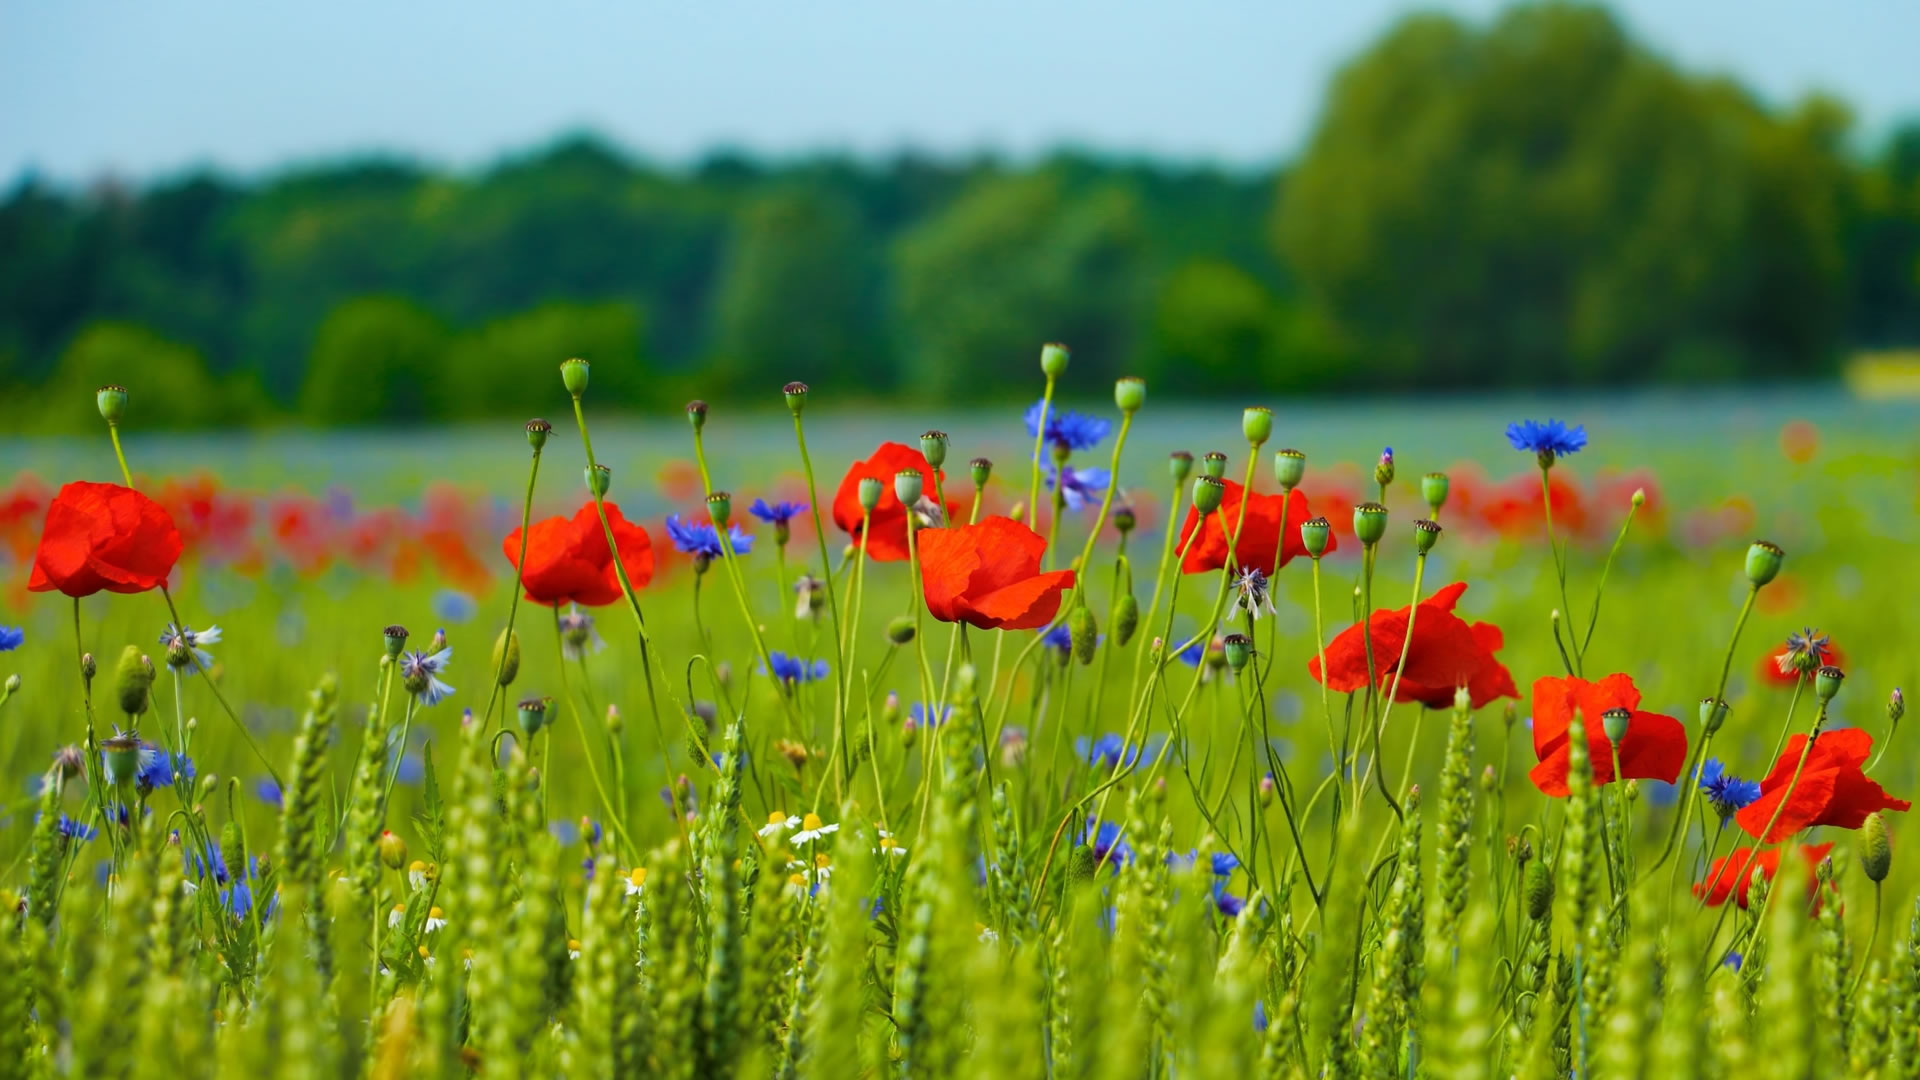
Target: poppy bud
{"x":1633,"y":789}
{"x":907,"y":485}
{"x":1238,"y":649}
{"x":1126,"y":618}
{"x":599,"y":479}
{"x":1081,"y":628}
{"x":1289,"y":466}
{"x":1314,"y":535}
{"x":870,"y":489}
{"x":1433,"y":488}
{"x":1207,"y":493}
{"x":1053,"y":360}
{"x":537,"y":432}
{"x":1124,"y":519}
{"x":1129,"y":393}
{"x":112,"y":401}
{"x":533,"y":714}
{"x":1383,"y":472}
{"x":13,"y":683}
{"x":89,"y":667}
{"x":1369,"y":522}
{"x":1826,"y":682}
{"x":723,"y":673}
{"x":933,"y":447}
{"x":697,"y":414}
{"x":1538,"y":890}
{"x":1614,"y":722}
{"x":1876,"y":855}
{"x":1214,"y":464}
{"x":614,"y":722}
{"x":393,"y":850}
{"x":1256,"y":423}
{"x":1081,"y":865}
{"x":1639,"y":498}
{"x":506,"y":656}
{"x":121,"y":754}
{"x":796,"y":393}
{"x":1425,"y":534}
{"x":1157,"y":791}
{"x":720,"y":509}
{"x":1489,"y":780}
{"x":233,"y":849}
{"x":980,"y":468}
{"x":396,"y":639}
{"x":132,"y":680}
{"x":900,"y":630}
{"x":1267,"y":790}
{"x":573,"y":376}
{"x":1713,"y":713}
{"x":1180,"y":466}
{"x":1763,"y":562}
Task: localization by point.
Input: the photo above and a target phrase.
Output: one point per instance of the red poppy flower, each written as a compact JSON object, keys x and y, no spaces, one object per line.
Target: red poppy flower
{"x":888,"y":541}
{"x":104,"y":536}
{"x":568,"y":561}
{"x":1831,"y":790}
{"x":1259,"y":533}
{"x":1733,"y":875}
{"x":1654,"y":748}
{"x":1447,"y":653}
{"x":988,"y":575}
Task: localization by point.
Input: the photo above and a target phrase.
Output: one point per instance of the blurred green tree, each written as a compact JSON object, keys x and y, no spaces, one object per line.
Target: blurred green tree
{"x":790,"y":299}
{"x":498,"y":368}
{"x":379,"y":358}
{"x":168,"y":381}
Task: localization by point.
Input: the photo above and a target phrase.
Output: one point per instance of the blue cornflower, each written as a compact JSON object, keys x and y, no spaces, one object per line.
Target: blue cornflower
{"x":779,"y":513}
{"x":11,"y":638}
{"x":211,"y":867}
{"x":700,"y":539}
{"x":72,"y":828}
{"x":919,"y":713}
{"x":420,"y":674}
{"x":267,"y":791}
{"x":1108,"y":842}
{"x":1080,"y":488}
{"x":1549,"y":440}
{"x":1075,"y":431}
{"x":1193,"y":654}
{"x":1260,"y":1017}
{"x":1734,"y":960}
{"x":1225,"y":863}
{"x":180,"y":642}
{"x":454,"y":605}
{"x":1228,"y":904}
{"x":158,"y":768}
{"x":1112,"y":751}
{"x":794,"y":669}
{"x":237,"y":898}
{"x":1059,"y":638}
{"x":1725,"y":792}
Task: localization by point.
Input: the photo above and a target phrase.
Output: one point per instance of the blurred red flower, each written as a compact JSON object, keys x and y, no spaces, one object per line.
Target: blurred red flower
{"x":888,"y":539}
{"x":988,"y":575}
{"x":1733,"y":874}
{"x":1446,"y":653}
{"x":104,"y":536}
{"x":1832,"y":790}
{"x":568,"y":561}
{"x":1259,"y":534}
{"x":1654,"y":748}
{"x":1516,"y":510}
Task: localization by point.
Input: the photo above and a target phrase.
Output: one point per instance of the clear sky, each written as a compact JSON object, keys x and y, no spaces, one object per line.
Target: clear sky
{"x":139,"y":88}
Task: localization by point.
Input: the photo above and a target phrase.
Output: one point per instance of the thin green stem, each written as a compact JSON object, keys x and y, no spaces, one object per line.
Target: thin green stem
{"x":513,"y":606}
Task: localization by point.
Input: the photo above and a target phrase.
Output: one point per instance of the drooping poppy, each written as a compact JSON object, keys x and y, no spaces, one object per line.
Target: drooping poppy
{"x":1832,"y":790}
{"x":104,"y":536}
{"x":1259,"y":533}
{"x":1654,"y":747}
{"x":1733,"y":874}
{"x":568,"y":561}
{"x":1447,"y":653}
{"x":887,"y":540}
{"x":988,"y":575}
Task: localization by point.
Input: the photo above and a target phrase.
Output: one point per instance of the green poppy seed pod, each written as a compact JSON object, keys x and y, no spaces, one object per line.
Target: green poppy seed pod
{"x":870,"y":489}
{"x":796,"y":393}
{"x":933,"y":447}
{"x":1289,"y":467}
{"x":132,"y":680}
{"x":1053,"y":360}
{"x":1713,"y":713}
{"x":1369,"y":522}
{"x":1239,"y":650}
{"x":1180,"y":466}
{"x":533,"y":714}
{"x":1256,"y":423}
{"x":121,"y":754}
{"x":506,"y":656}
{"x":1425,"y":534}
{"x":395,"y":639}
{"x":907,"y":485}
{"x":573,"y":376}
{"x":1214,"y":464}
{"x":1614,"y":722}
{"x":537,"y":432}
{"x":393,"y":850}
{"x":720,"y":509}
{"x":1314,"y":534}
{"x":1826,"y":682}
{"x":89,"y":667}
{"x":1207,"y":493}
{"x":980,"y":469}
{"x":1538,"y":890}
{"x":1085,"y":635}
{"x":1876,"y":854}
{"x":1129,"y":393}
{"x":1126,"y":618}
{"x":112,"y":401}
{"x":1433,"y":488}
{"x":233,"y":848}
{"x":697,"y":414}
{"x":1124,"y":519}
{"x":901,"y":629}
{"x":599,"y":480}
{"x":1763,"y":562}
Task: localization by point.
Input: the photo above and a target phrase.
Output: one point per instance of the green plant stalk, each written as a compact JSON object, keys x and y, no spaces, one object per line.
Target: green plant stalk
{"x":1159,"y":580}
{"x":1559,"y":560}
{"x":729,"y":562}
{"x":1691,"y":777}
{"x":617,"y":819}
{"x":1386,"y":711}
{"x":843,"y":678}
{"x":1039,"y":444}
{"x":513,"y":606}
{"x":1619,"y":541}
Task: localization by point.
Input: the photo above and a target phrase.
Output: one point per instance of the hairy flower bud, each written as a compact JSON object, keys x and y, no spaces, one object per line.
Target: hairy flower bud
{"x":506,"y":656}
{"x":1876,"y":854}
{"x":1383,"y":471}
{"x":1538,"y":890}
{"x":133,"y":680}
{"x":1085,"y":635}
{"x":1126,"y":618}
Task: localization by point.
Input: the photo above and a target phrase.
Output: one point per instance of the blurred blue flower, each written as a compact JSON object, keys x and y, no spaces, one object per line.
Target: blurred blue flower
{"x":420,"y":672}
{"x":11,"y":638}
{"x":1734,"y":960}
{"x":565,"y":831}
{"x":1112,"y":752}
{"x":267,"y":791}
{"x":793,"y":669}
{"x":1059,"y":638}
{"x":699,"y":538}
{"x":1108,"y":842}
{"x":1260,"y":1017}
{"x":158,"y":768}
{"x":1193,"y":654}
{"x":1080,"y":488}
{"x":1551,"y":439}
{"x":1075,"y":431}
{"x":779,"y":513}
{"x":72,"y":828}
{"x":919,"y":713}
{"x":1725,"y":792}
{"x":453,"y":605}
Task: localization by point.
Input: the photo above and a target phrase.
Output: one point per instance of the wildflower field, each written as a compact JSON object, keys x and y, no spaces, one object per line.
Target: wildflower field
{"x":1089,"y":742}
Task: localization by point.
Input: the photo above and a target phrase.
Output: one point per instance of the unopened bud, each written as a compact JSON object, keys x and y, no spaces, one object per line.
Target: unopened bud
{"x":393,"y":850}
{"x":900,"y":630}
{"x":89,"y":667}
{"x":506,"y":656}
{"x":1489,"y":780}
{"x":1876,"y":854}
{"x":1126,"y":618}
{"x":1383,"y":471}
{"x":1538,"y":890}
{"x":1085,"y":635}
{"x":1053,"y":360}
{"x":1267,"y":790}
{"x":132,"y":681}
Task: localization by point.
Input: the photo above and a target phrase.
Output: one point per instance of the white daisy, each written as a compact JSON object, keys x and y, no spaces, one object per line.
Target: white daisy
{"x":812,"y":828}
{"x":778,"y":822}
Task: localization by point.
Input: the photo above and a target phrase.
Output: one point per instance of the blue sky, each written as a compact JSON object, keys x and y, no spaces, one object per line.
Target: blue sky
{"x":141,"y":88}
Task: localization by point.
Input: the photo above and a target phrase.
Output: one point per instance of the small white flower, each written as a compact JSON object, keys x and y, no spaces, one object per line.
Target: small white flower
{"x":417,"y":875}
{"x":812,"y":828}
{"x":988,"y":935}
{"x":573,"y":949}
{"x":636,"y":881}
{"x":395,"y":916}
{"x":778,"y":822}
{"x":435,"y":919}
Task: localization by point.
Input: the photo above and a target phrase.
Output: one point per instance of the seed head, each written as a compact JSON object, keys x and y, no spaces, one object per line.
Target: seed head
{"x":537,"y":432}
{"x":573,"y":376}
{"x":112,"y":401}
{"x":796,"y":394}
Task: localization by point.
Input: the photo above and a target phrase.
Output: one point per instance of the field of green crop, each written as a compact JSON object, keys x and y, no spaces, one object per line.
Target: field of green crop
{"x":677,"y":817}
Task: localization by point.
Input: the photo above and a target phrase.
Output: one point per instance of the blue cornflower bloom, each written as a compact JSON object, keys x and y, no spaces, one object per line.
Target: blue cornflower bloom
{"x":454,"y":605}
{"x":11,"y":638}
{"x":180,"y":642}
{"x":794,"y":669}
{"x":1260,"y":1017}
{"x":1725,"y":792}
{"x":1059,"y":638}
{"x":158,"y":768}
{"x":1112,"y":752}
{"x":210,"y":867}
{"x":1193,"y":654}
{"x":1075,"y":431}
{"x":1108,"y":842}
{"x":420,"y":674}
{"x":1225,"y":863}
{"x":267,"y":791}
{"x":237,"y":898}
{"x":565,"y":830}
{"x":1549,"y":440}
{"x":1228,"y":904}
{"x":777,"y":514}
{"x":1080,"y":488}
{"x":72,"y":828}
{"x":1734,"y":960}
{"x":700,"y":539}
{"x":920,"y":712}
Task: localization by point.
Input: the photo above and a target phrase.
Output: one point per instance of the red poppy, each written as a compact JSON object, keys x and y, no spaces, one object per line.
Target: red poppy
{"x":888,"y":540}
{"x":988,"y":575}
{"x":1654,"y":748}
{"x":568,"y":561}
{"x":104,"y":536}
{"x":1447,"y":653}
{"x":1259,"y":533}
{"x":1733,"y":875}
{"x":1831,"y":790}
